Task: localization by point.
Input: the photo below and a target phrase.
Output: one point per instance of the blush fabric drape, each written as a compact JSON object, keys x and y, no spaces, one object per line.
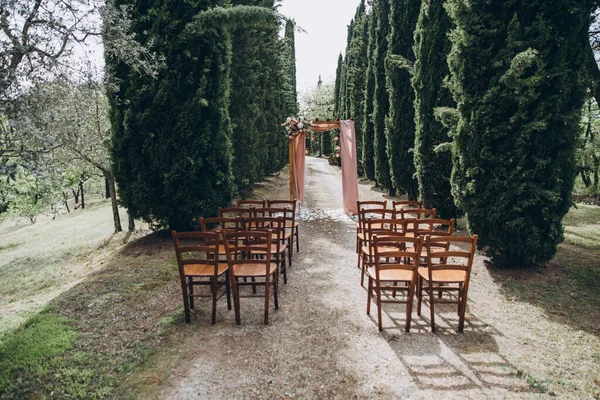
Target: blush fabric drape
{"x":349,"y":168}
{"x":349,"y":162}
{"x":299,"y":163}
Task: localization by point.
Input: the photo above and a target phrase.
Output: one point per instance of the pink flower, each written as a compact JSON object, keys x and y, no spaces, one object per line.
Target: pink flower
{"x":337,"y":148}
{"x":337,"y":155}
{"x":336,"y":138}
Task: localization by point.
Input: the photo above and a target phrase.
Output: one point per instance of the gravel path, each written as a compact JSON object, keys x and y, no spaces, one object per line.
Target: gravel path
{"x":321,"y":343}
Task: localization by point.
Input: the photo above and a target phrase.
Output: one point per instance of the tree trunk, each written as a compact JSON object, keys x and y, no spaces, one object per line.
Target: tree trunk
{"x":107,"y":187}
{"x":594,"y":74}
{"x":81,"y":192}
{"x":65,"y":201}
{"x":131,"y":221}
{"x":76,"y":195}
{"x":585,"y":178}
{"x":110,"y":182}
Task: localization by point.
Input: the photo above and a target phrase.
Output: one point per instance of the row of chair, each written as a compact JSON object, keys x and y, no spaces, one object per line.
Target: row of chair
{"x":412,"y":255}
{"x":245,"y":246}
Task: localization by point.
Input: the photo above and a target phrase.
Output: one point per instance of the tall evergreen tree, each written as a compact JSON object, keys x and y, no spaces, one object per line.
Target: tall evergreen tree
{"x":381,"y":100}
{"x":400,"y":122}
{"x":172,"y":148}
{"x":518,"y":77}
{"x":356,"y":71}
{"x":431,"y":49}
{"x":290,"y":39}
{"x":368,"y":133}
{"x":246,"y":104}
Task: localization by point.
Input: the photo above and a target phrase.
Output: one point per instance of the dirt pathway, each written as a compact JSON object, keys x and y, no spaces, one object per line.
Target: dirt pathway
{"x":321,"y":343}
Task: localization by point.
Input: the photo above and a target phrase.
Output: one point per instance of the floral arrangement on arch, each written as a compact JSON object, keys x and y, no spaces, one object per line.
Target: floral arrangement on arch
{"x":297,"y":125}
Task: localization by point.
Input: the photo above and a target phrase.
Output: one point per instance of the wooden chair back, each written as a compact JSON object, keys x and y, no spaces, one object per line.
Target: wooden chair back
{"x":431,"y":227}
{"x":395,"y":251}
{"x":383,"y":228}
{"x":251,"y":203}
{"x":282,"y":204}
{"x":274,"y":225}
{"x":368,"y":214}
{"x":363,"y":205}
{"x":196,"y":248}
{"x":406,"y":204}
{"x":418,"y":213}
{"x":226,"y":224}
{"x":240,"y":246}
{"x":442,"y":254}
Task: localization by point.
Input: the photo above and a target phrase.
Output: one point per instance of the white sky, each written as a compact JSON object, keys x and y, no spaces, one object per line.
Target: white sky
{"x":326,"y":25}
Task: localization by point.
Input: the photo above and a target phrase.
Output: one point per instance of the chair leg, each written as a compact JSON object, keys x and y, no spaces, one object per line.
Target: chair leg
{"x":369,"y":295}
{"x":276,"y":292}
{"x":409,"y":305}
{"x":378,"y":293}
{"x":191,"y":291}
{"x":284,"y":267}
{"x":363,"y":271}
{"x":431,"y":311}
{"x":297,"y":238}
{"x":228,"y":292}
{"x":186,"y":299}
{"x":214,"y":299}
{"x":236,"y":300}
{"x":291,"y":245}
{"x":463,"y":309}
{"x":419,"y":294}
{"x":267,"y":293}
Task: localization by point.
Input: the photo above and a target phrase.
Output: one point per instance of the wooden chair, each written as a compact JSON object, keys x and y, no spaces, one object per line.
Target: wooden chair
{"x":223,"y":224}
{"x":289,"y":219}
{"x":240,"y":248}
{"x":405,"y":204}
{"x":275,"y":225}
{"x":251,"y":203}
{"x":418,"y":213}
{"x":364,"y":205}
{"x":365,"y":214}
{"x":236,"y":212}
{"x":292,"y":225}
{"x":376,"y":226}
{"x":447,"y":270}
{"x":198,"y":265}
{"x":430,"y":227}
{"x":395,"y":260}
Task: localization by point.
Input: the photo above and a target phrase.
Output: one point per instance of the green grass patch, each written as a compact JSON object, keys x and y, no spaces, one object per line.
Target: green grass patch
{"x":33,"y":350}
{"x":7,"y":246}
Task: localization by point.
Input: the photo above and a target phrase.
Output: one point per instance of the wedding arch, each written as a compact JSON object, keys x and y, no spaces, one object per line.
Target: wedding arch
{"x":298,"y":129}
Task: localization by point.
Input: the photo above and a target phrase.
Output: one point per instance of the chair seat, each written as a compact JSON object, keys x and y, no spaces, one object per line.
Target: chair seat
{"x":434,"y":250}
{"x":361,"y":236}
{"x":274,"y":249}
{"x":203,"y":270}
{"x":391,"y":274}
{"x":258,"y":269}
{"x":288,"y":234}
{"x":289,"y":224}
{"x":444,"y":275}
{"x":365,"y":249}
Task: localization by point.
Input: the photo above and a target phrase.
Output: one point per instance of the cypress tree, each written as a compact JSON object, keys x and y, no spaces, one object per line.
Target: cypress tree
{"x":518,"y":77}
{"x":431,"y":49}
{"x":172,"y":148}
{"x":381,"y":100}
{"x":356,"y":72}
{"x":246,"y":105}
{"x":292,"y":98}
{"x":368,"y":133}
{"x":400,"y":122}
